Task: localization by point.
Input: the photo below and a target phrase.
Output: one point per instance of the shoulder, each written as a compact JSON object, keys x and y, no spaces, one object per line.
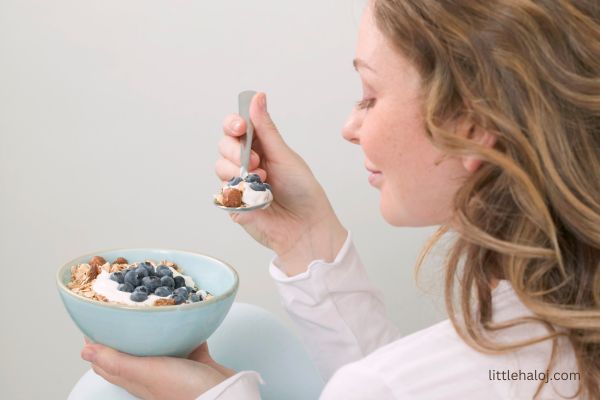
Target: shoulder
{"x":435,"y":363}
{"x":431,"y":363}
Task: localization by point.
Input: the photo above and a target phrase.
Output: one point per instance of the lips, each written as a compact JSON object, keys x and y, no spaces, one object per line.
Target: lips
{"x":374,"y":176}
{"x":372,"y":170}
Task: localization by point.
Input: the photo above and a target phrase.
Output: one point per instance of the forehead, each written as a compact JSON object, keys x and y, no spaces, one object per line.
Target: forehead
{"x":371,"y":44}
{"x":376,"y":50}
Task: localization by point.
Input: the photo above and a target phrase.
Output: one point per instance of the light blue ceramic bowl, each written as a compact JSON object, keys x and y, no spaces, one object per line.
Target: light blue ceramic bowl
{"x":154,"y":331}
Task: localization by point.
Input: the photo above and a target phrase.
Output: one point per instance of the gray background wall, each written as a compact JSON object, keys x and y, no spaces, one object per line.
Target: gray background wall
{"x":110,"y":114}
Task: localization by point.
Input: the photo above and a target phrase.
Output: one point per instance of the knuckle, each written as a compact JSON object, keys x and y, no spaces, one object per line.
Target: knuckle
{"x":227,"y":120}
{"x":221,"y":165}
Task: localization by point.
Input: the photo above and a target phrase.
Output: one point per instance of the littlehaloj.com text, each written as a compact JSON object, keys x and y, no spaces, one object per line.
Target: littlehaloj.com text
{"x":519,"y":375}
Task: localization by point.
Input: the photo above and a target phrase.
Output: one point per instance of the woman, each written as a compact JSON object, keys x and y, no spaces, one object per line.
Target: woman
{"x":480,"y":116}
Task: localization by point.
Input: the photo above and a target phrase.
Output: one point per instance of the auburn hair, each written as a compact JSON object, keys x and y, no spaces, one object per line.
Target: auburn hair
{"x":528,"y":71}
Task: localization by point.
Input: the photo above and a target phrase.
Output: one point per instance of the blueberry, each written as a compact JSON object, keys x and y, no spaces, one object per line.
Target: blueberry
{"x":181,"y":291}
{"x":163,"y":291}
{"x":267,"y":186}
{"x":179,"y":282}
{"x":142,"y":272}
{"x":252,"y":178}
{"x":117,"y":276}
{"x":179,"y":299}
{"x":167,"y":281}
{"x":151,"y":283}
{"x":138,"y":296}
{"x":142,"y":289}
{"x":234,"y":181}
{"x":259,"y":187}
{"x":148,"y":268}
{"x":125,"y":287}
{"x":190,"y":289}
{"x":132,"y":278}
{"x":195,"y":298}
{"x":163,"y":270}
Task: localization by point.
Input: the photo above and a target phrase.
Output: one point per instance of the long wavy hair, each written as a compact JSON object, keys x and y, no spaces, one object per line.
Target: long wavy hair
{"x":528,"y":71}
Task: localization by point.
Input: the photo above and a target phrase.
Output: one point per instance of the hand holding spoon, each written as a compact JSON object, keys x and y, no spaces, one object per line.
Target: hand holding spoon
{"x":244,"y":100}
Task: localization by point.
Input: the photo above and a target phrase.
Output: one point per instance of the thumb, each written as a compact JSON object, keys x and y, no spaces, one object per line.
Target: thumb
{"x":265,"y":130}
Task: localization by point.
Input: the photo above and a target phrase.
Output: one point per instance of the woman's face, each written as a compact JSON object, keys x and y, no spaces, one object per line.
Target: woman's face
{"x":389,"y":127}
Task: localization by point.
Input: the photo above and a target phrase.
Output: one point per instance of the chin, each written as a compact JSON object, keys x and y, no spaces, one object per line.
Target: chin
{"x":393,"y":215}
{"x":396,"y":215}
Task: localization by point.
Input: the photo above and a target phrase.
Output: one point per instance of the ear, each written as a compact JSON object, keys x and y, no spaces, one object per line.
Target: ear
{"x":479,"y":136}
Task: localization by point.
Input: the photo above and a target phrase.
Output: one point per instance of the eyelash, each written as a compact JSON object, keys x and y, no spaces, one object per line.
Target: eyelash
{"x":365,"y":104}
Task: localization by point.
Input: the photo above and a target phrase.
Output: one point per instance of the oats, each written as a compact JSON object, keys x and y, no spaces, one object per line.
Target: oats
{"x":105,"y":267}
{"x":99,"y":297}
{"x":164,"y":302}
{"x":82,"y":274}
{"x":118,"y":267}
{"x":171,"y":264}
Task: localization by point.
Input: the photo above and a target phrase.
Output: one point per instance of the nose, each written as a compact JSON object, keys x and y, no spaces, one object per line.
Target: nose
{"x":350,"y":129}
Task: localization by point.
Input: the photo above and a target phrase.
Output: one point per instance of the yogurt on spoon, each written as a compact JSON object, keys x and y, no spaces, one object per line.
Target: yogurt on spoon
{"x":244,"y":193}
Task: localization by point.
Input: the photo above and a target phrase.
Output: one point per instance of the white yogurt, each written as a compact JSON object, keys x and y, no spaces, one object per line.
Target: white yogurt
{"x":252,"y":197}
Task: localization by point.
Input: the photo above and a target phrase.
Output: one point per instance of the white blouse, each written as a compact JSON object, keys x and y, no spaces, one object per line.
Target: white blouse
{"x":342,"y":320}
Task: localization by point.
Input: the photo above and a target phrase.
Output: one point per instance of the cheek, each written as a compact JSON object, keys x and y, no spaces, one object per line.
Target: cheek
{"x":414,"y":190}
{"x":382,"y":143}
{"x":422,"y":195}
{"x":393,"y":127}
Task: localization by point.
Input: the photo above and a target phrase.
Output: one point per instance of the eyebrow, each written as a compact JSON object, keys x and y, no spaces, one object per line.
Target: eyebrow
{"x":357,"y":62}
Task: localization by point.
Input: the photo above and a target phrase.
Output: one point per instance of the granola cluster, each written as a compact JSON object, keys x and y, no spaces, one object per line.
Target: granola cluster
{"x":83,"y":275}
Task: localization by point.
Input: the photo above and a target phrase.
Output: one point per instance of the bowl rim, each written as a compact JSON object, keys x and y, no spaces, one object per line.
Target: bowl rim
{"x":63,"y":287}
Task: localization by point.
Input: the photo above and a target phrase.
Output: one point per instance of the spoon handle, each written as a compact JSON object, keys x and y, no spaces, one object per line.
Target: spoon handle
{"x":244,"y":99}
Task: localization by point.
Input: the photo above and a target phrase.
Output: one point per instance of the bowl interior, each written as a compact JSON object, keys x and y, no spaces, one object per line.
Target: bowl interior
{"x":210,"y":274}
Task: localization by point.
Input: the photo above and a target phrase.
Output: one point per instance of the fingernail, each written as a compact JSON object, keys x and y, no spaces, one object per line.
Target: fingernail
{"x":236,"y":125}
{"x":88,"y":354}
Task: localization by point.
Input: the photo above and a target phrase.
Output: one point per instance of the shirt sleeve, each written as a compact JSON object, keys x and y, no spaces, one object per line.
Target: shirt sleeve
{"x":242,"y":386}
{"x":341,"y":316}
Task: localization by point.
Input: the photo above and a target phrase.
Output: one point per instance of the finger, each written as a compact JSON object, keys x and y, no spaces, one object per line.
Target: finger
{"x":266,"y":131}
{"x":234,"y":125}
{"x":242,"y":218}
{"x":226,"y":170}
{"x":119,"y":365}
{"x":108,"y":377}
{"x":229,"y":148}
{"x":131,"y":387}
{"x":201,"y":354}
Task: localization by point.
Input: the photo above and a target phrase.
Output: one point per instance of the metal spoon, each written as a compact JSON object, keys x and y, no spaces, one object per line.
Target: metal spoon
{"x":244,"y":100}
